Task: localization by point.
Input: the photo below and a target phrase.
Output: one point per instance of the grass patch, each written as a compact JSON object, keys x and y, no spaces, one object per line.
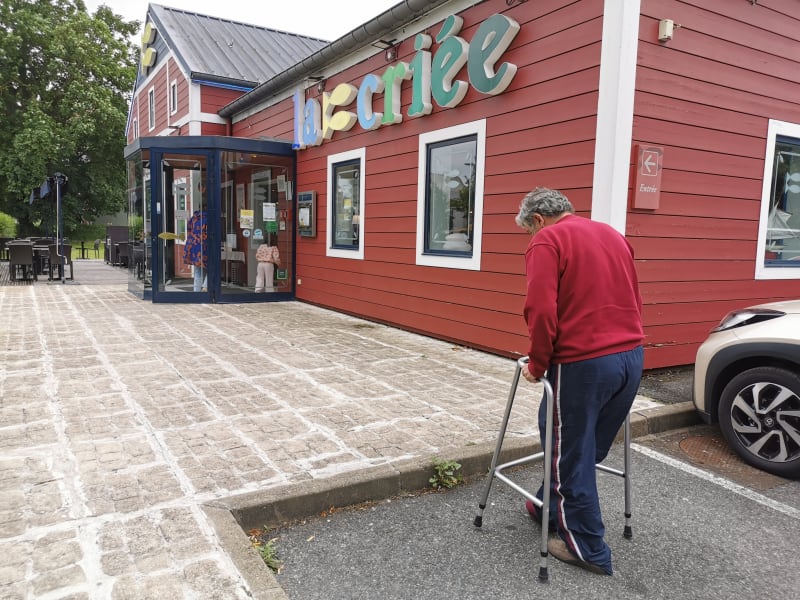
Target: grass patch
{"x":89,"y":253}
{"x":267,"y":551}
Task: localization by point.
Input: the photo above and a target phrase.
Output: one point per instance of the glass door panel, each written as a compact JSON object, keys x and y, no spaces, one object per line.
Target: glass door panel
{"x":256,"y":200}
{"x":139,"y":256}
{"x":183,"y":239}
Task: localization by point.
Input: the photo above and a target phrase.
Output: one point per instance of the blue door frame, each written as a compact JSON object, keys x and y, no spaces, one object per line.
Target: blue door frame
{"x":162,"y":208}
{"x":210,"y":149}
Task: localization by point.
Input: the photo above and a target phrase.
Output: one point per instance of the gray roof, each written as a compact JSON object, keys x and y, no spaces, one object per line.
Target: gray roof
{"x":227,"y":51}
{"x":397,"y":16}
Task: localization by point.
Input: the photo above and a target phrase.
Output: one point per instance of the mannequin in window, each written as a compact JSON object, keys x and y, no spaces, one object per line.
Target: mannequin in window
{"x":267,"y":257}
{"x":195,"y":250}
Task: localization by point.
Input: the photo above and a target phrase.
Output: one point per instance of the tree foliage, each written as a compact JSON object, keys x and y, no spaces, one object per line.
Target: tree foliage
{"x":65,"y":83}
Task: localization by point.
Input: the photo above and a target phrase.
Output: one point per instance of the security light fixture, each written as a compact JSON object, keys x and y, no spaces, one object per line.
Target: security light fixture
{"x":389,"y":47}
{"x":319,"y":82}
{"x":384,"y":44}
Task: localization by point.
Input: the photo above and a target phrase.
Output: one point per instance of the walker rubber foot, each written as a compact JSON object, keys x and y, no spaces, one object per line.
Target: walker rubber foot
{"x":627,"y":533}
{"x":478,"y":521}
{"x":544,"y":577}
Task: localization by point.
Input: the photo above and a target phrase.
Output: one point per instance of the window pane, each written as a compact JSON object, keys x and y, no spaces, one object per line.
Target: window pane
{"x":783,"y":225}
{"x":450,"y":196}
{"x":347,"y":204}
{"x":173,"y":97}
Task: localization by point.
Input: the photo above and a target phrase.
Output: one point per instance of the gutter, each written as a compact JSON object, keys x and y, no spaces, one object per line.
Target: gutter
{"x":363,"y":35}
{"x":222,"y":82}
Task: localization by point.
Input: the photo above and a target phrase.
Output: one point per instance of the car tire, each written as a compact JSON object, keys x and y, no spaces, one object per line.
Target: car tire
{"x":759,"y":416}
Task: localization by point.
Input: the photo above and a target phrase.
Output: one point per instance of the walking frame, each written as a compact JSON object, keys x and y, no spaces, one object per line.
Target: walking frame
{"x":546,"y":456}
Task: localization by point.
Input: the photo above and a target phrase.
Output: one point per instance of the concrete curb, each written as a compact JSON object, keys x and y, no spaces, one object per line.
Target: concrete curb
{"x":260,"y":579}
{"x":233,"y":516}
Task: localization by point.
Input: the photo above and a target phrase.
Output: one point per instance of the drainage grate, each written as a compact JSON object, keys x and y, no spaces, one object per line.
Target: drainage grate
{"x":712,"y":452}
{"x":704,"y":447}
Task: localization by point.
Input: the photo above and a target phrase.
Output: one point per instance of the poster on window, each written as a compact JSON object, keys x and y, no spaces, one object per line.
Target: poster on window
{"x":246,"y":218}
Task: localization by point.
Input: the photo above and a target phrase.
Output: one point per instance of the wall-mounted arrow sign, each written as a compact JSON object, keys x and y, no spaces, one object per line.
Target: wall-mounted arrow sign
{"x":647,"y":182}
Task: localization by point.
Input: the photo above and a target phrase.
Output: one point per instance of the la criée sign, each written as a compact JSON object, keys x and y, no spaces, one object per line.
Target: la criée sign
{"x":432,"y":75}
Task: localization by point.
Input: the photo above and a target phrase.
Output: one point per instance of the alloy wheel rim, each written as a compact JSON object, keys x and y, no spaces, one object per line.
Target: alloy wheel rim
{"x":765,"y":417}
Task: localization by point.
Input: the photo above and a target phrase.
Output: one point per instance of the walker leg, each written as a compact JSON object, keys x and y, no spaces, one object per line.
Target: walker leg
{"x":627,"y":532}
{"x":548,"y":457}
{"x":496,"y":456}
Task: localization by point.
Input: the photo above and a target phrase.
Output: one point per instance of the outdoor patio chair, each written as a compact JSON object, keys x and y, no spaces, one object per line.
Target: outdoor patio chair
{"x":123,"y":254}
{"x":21,"y":259}
{"x":137,"y":258}
{"x":55,"y":261}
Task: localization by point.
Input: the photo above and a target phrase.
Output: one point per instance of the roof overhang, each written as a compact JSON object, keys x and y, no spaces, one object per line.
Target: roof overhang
{"x":209,"y":142}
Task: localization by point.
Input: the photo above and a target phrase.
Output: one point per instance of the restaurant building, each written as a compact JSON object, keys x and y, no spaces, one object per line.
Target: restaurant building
{"x":388,"y":165}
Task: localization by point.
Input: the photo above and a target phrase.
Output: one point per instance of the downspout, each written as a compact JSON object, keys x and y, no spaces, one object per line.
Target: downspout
{"x":614,"y":133}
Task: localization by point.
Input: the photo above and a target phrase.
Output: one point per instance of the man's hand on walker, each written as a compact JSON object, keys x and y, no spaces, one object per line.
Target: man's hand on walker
{"x":527,"y":375}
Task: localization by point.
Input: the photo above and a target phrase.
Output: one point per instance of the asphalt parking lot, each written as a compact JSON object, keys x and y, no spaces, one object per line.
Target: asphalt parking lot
{"x":705,"y":526}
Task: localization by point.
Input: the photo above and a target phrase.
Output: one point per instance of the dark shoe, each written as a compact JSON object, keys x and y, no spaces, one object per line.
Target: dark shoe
{"x":558,"y":548}
{"x":537,"y":516}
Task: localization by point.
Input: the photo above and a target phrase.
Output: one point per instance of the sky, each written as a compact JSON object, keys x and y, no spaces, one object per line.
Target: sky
{"x":323,"y":19}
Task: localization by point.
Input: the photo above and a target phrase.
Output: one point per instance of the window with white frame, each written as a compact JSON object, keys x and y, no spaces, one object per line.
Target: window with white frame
{"x":136,"y":129}
{"x":779,"y":228}
{"x":151,"y":108}
{"x":173,"y":97}
{"x":450,"y":196}
{"x":345,"y":207}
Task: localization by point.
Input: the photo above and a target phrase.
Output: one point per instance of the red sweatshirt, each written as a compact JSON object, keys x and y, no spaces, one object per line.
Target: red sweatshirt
{"x":583,"y":296}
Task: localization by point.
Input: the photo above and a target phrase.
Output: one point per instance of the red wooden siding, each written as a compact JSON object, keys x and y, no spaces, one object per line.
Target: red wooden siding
{"x":540,"y":131}
{"x":134,"y":117}
{"x":183,"y":86}
{"x":160,"y":83}
{"x":213,"y":129}
{"x":137,"y":114}
{"x":214,"y":98}
{"x":161,"y":92}
{"x":706,"y":97}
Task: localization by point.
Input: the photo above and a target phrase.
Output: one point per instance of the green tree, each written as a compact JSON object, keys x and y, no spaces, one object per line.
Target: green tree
{"x":8,"y":226}
{"x":65,"y":83}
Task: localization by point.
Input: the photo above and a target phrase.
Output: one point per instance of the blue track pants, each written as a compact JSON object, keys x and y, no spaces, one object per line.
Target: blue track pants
{"x":592,"y":398}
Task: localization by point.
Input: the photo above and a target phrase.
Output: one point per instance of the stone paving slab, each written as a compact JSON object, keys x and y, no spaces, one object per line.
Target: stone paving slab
{"x":123,"y":423}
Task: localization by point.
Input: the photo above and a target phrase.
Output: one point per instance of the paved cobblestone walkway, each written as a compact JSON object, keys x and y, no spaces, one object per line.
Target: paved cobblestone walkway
{"x":119,"y":419}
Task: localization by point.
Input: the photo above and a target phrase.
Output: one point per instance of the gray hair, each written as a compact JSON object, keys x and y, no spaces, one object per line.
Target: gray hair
{"x":544,"y":201}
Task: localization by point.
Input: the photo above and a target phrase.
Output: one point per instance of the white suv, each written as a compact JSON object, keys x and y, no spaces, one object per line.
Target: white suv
{"x":747,"y":377}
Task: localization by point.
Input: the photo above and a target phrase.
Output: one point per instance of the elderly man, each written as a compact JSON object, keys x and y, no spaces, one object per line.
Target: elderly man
{"x":583,"y":311}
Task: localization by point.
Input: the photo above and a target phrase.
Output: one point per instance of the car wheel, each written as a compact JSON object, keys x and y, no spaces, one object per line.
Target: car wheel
{"x":759,"y":415}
